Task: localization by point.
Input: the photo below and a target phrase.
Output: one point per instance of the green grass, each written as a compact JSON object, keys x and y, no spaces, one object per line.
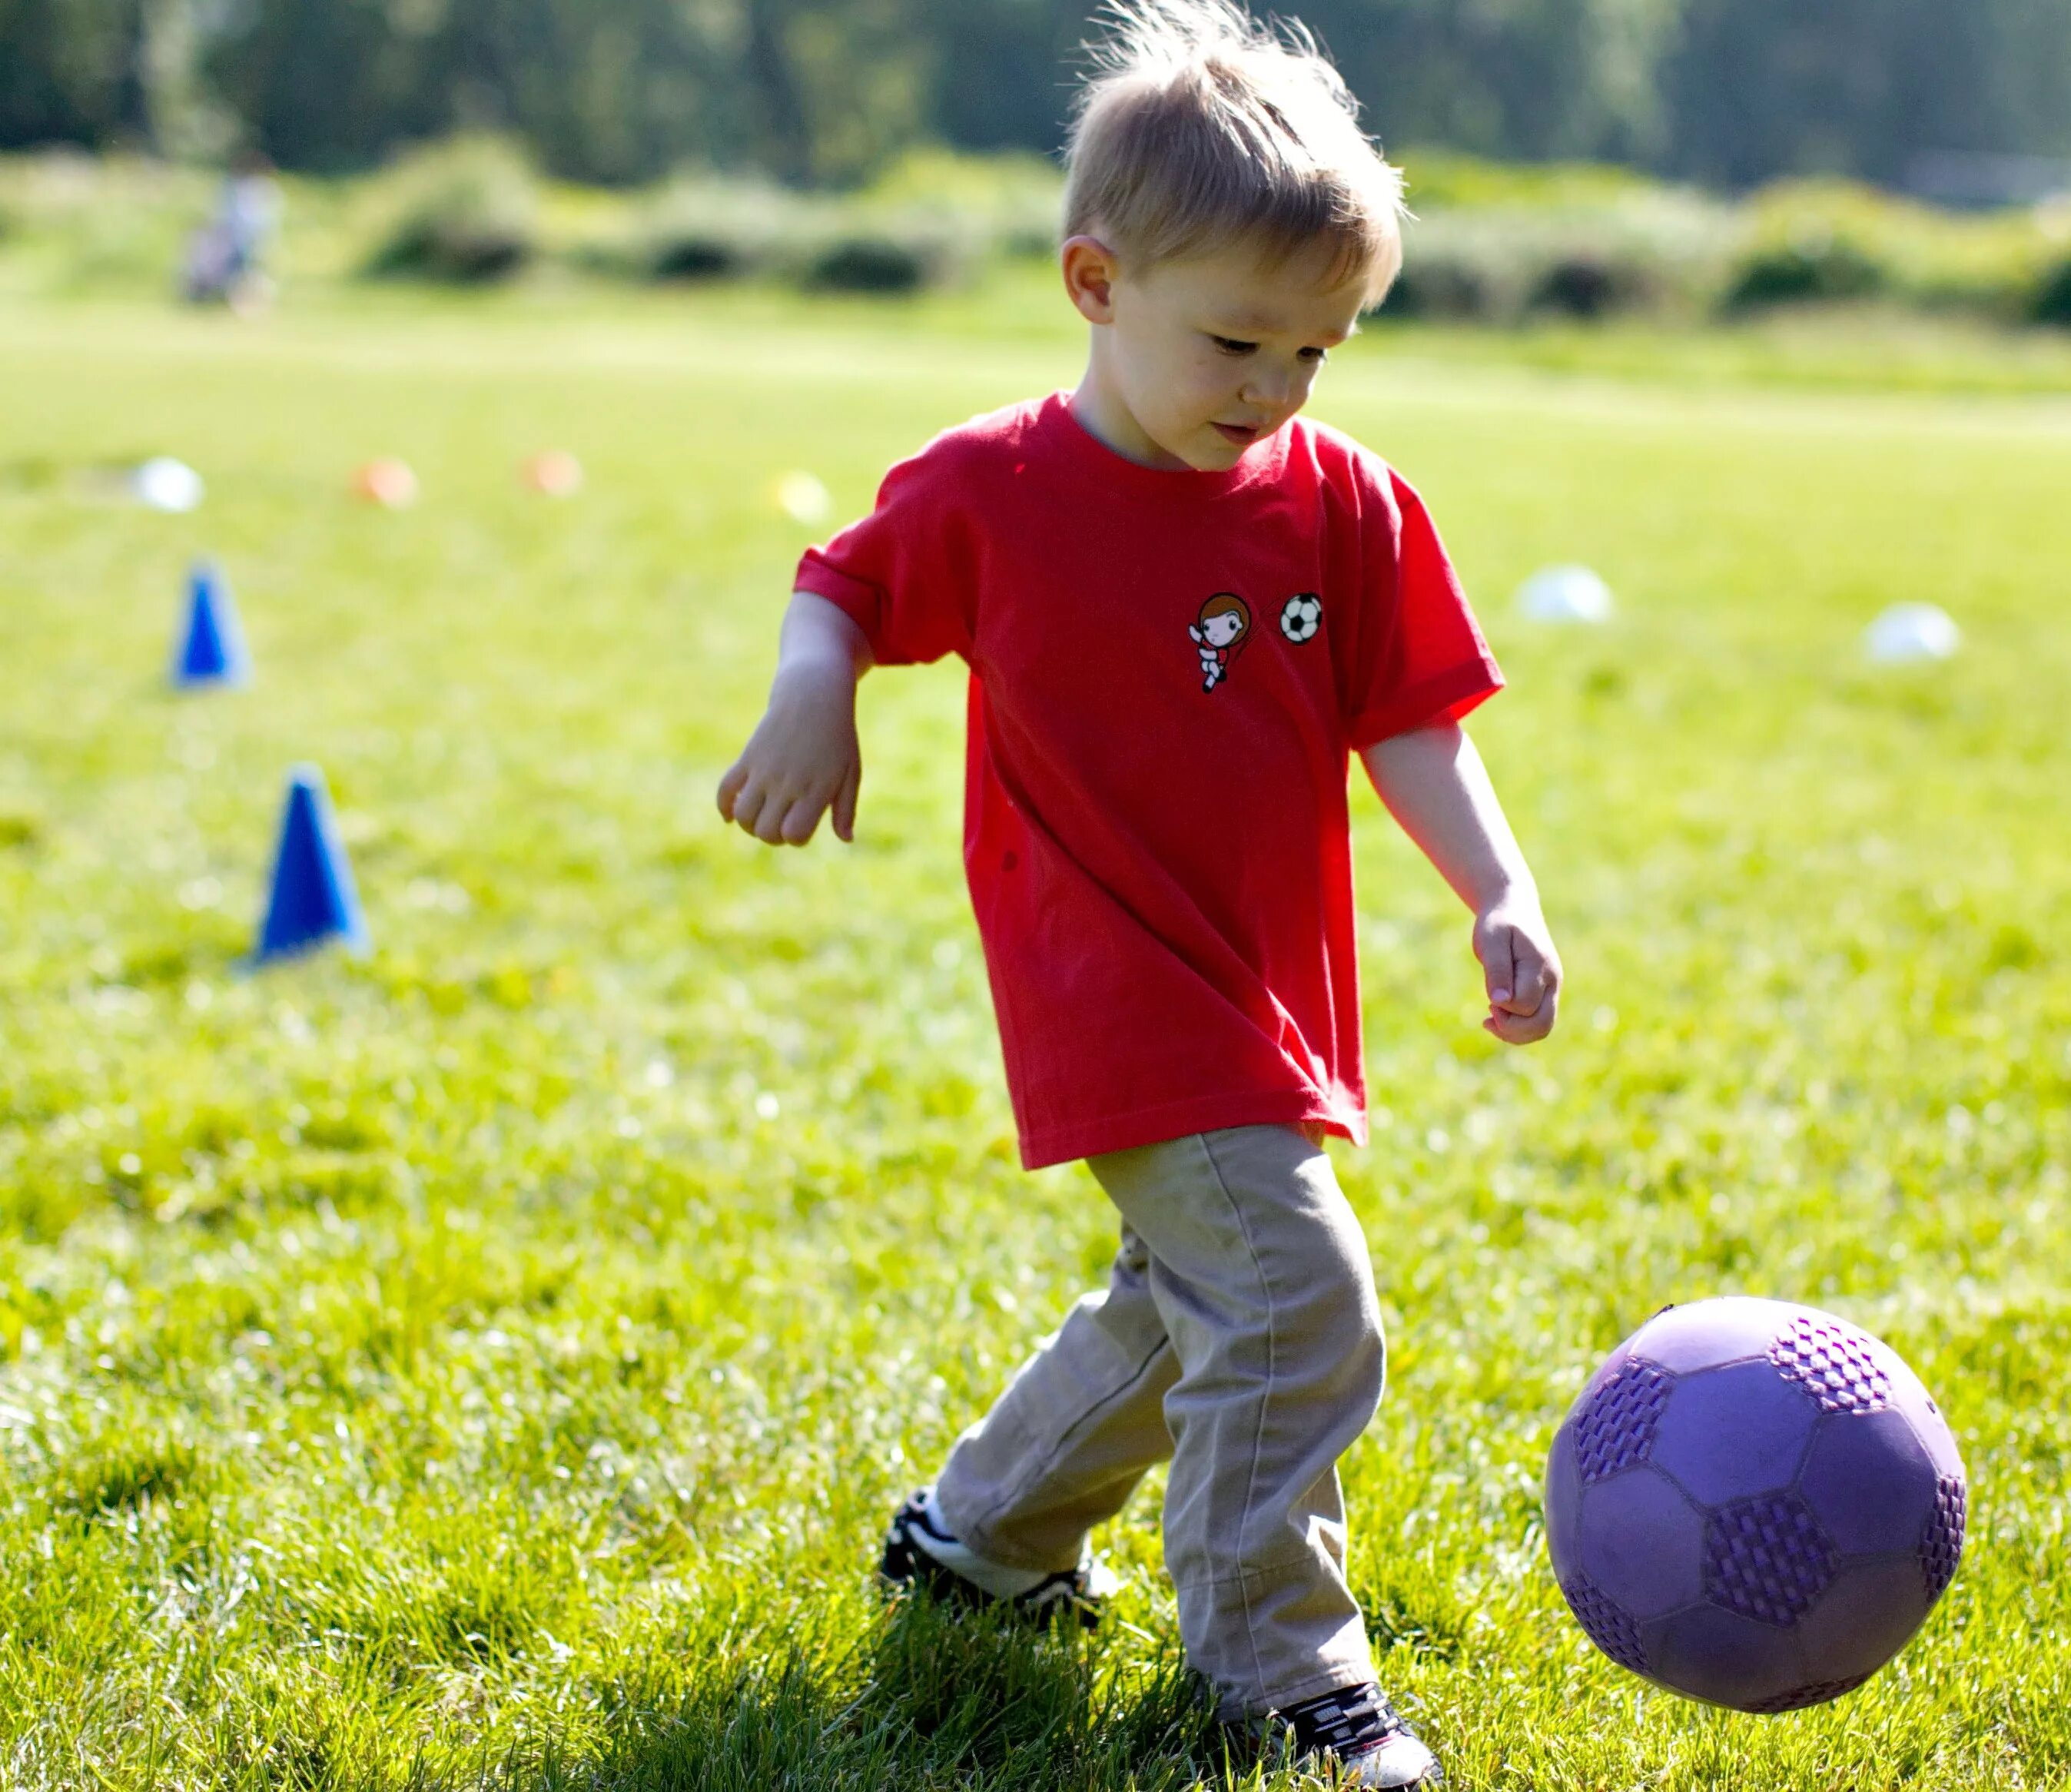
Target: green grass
{"x":491,"y":1364}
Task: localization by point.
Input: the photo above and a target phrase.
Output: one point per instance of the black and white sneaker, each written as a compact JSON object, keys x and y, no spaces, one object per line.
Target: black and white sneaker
{"x":1364,"y":1734}
{"x":920,"y":1551}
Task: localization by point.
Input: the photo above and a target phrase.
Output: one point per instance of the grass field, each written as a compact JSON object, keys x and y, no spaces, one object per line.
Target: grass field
{"x":491,"y":1364}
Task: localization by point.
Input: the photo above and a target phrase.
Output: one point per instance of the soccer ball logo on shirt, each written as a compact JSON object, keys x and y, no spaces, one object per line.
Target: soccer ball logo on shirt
{"x":1223,"y":629}
{"x":1300,"y":616}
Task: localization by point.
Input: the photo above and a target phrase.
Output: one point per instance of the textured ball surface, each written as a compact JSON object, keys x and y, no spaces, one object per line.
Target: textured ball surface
{"x":1753,"y":1503}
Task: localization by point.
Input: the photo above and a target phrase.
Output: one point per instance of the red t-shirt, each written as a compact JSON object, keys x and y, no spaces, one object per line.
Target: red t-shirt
{"x":1169,"y":672}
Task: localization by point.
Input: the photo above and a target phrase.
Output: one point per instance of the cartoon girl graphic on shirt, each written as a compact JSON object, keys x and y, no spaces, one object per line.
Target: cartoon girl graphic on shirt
{"x":1221,"y":633}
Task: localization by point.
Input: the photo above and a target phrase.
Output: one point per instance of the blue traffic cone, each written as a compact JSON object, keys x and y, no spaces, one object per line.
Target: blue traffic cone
{"x":212,"y":650}
{"x":313,"y":898}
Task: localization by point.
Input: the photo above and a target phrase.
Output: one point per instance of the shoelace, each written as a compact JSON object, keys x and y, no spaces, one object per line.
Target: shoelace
{"x":904,"y":1558}
{"x":1345,"y":1722}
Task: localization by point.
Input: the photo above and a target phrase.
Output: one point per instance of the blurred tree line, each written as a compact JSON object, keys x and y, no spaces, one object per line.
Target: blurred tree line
{"x":1730,"y":92}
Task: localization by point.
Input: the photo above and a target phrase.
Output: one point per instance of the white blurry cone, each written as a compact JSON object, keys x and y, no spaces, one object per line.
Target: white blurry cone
{"x":804,"y":499}
{"x":165,"y":484}
{"x":1907,"y":633}
{"x":1565,"y":594}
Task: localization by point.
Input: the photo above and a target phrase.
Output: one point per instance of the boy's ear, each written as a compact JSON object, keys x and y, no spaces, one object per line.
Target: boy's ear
{"x":1090,"y":271}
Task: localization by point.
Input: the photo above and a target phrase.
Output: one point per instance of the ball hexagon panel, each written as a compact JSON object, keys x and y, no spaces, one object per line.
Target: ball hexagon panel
{"x":1731,"y":1433}
{"x":1910,"y":1397}
{"x":1718,"y":1656}
{"x":1865,"y":1618}
{"x":1615,"y":1422}
{"x":1707,"y":1333}
{"x":1869,"y":1482}
{"x":1605,"y":1370}
{"x":1607,"y":1624}
{"x":1643,"y":1544}
{"x":1941,"y":1542}
{"x":1842,"y":1368}
{"x":1767,"y":1559}
{"x":1817,"y":1693}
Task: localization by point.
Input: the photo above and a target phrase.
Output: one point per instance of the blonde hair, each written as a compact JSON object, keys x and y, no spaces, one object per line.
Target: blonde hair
{"x":1198,"y":127}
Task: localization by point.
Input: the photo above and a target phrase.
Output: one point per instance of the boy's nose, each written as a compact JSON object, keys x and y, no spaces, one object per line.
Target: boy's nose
{"x":1273,"y":390}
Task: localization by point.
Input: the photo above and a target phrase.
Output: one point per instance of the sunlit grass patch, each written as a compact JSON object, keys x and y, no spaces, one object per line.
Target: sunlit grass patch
{"x":492,"y":1363}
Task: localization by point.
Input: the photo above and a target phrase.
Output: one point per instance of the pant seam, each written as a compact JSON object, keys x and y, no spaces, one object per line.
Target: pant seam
{"x":1258,"y":1571}
{"x":1023,"y":1482}
{"x":1336,"y":1680}
{"x":1258,"y":1432}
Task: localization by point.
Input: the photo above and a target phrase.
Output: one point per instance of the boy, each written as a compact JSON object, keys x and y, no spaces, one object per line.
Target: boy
{"x":1183,"y":608}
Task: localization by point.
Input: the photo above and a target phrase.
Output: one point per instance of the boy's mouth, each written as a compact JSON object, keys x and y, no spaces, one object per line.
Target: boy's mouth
{"x":1241,"y":433}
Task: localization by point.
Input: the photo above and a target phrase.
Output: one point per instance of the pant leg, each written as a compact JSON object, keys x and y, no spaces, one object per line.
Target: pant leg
{"x":1066,"y":1446}
{"x":1260,"y":1271}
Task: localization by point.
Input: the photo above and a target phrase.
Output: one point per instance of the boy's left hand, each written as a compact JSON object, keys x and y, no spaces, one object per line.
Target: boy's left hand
{"x":1515,"y":947}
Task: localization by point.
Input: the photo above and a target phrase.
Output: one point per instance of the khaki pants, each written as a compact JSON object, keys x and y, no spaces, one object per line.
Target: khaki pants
{"x":1238,"y":1335}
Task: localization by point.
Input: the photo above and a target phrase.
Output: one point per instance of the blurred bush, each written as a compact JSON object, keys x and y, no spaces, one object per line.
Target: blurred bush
{"x":882,"y":260}
{"x":2052,"y":303}
{"x":1591,"y":285}
{"x":1647,"y":251}
{"x":1815,"y":242}
{"x":704,"y":228}
{"x":1012,"y":203}
{"x":1813,"y":270}
{"x":1446,"y":283}
{"x":1491,"y":244}
{"x":1502,"y":247}
{"x":1445,"y":180}
{"x":77,"y":223}
{"x":1833,"y":242}
{"x":708,"y":229}
{"x":465,"y":212}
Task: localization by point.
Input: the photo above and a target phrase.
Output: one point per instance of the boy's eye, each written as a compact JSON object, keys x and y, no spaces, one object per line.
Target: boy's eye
{"x":1230,"y":345}
{"x":1316,"y":356}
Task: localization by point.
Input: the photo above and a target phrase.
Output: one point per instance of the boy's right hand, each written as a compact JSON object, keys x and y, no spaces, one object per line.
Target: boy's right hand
{"x":802,"y":757}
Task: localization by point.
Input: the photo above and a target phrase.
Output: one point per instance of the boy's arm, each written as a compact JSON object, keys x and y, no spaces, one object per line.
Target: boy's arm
{"x":803,"y":754}
{"x":1435,"y":785}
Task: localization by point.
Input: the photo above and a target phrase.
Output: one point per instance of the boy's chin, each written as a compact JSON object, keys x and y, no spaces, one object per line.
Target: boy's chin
{"x":1216,"y":454}
{"x":1204,"y":448}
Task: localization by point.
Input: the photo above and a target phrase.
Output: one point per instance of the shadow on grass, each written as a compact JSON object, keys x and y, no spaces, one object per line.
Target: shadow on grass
{"x":934,"y":1698}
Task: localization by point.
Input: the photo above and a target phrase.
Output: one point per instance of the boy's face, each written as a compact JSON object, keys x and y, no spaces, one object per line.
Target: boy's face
{"x":1194,"y":361}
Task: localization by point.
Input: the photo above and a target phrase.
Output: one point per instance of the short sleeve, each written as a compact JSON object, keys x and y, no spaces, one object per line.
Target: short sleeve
{"x":904,"y":574}
{"x":1419,"y":657}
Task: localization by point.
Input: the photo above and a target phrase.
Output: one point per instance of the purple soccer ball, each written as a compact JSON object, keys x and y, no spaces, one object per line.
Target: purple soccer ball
{"x":1754,"y":1504}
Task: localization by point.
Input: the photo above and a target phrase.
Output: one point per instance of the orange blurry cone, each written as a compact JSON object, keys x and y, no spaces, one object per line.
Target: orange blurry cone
{"x":556,"y":473}
{"x":389,"y":483}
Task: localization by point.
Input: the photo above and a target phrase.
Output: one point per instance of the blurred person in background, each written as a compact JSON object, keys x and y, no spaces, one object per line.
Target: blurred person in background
{"x":225,"y":261}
